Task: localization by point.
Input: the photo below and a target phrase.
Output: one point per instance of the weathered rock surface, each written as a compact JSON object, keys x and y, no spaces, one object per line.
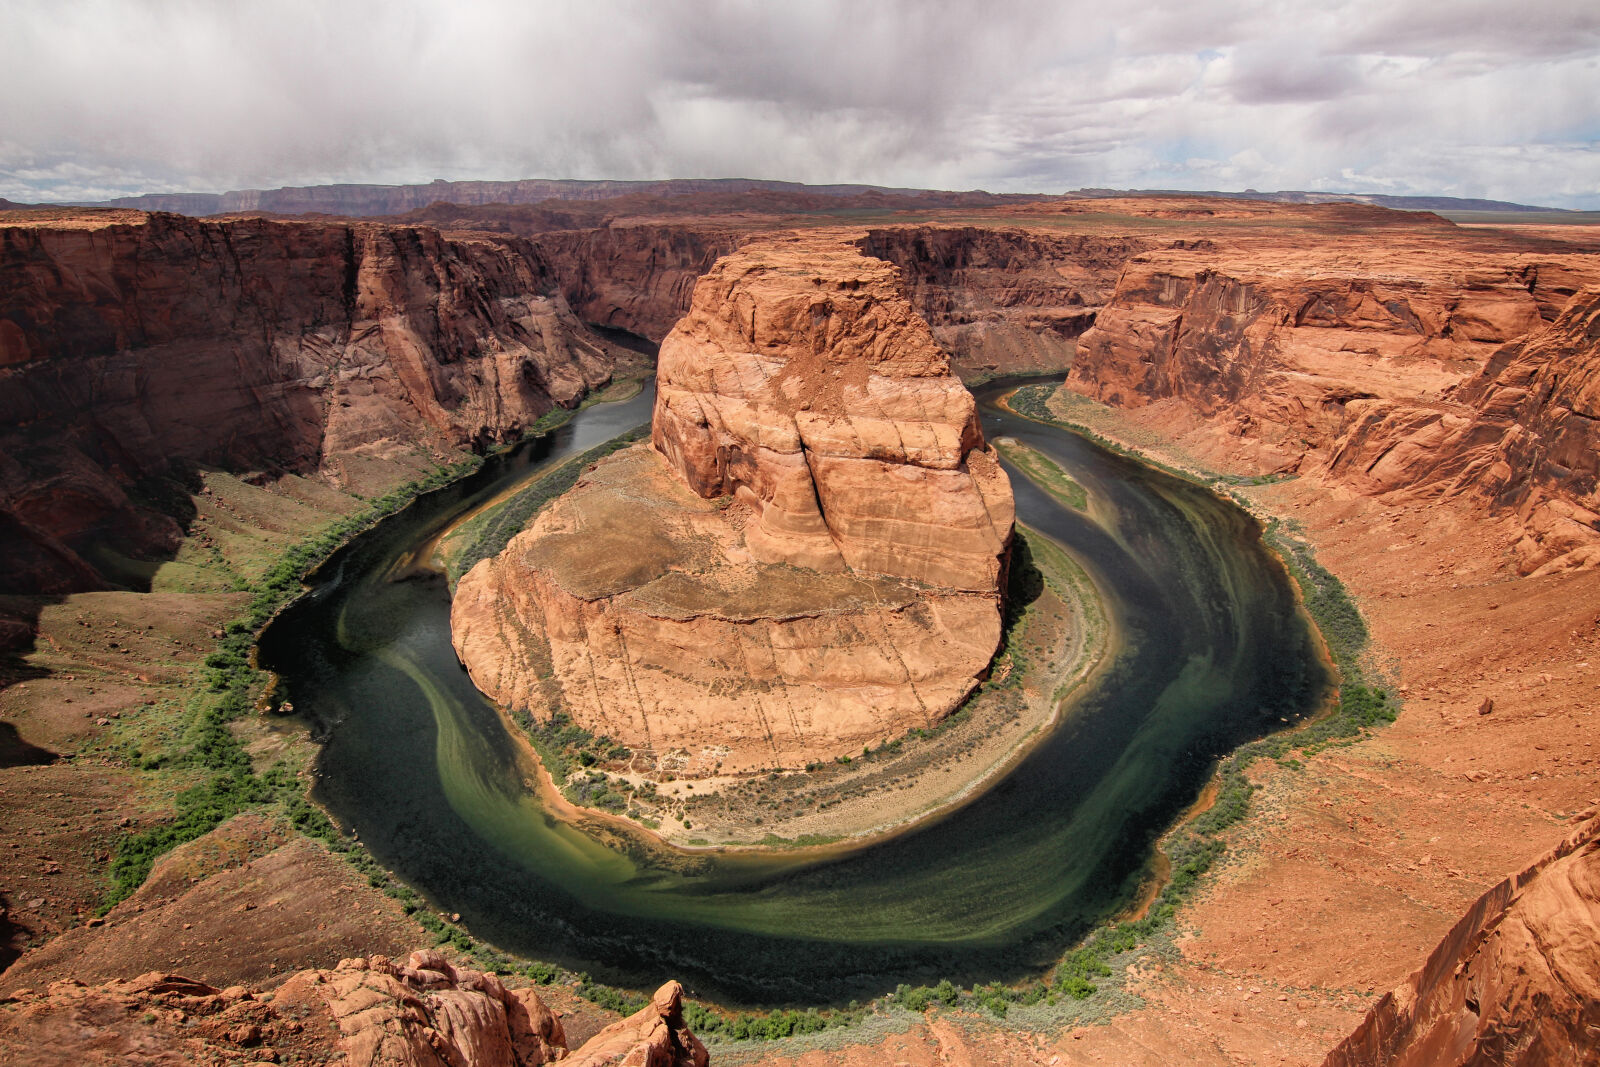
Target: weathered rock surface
{"x":424,"y":1012}
{"x":638,"y":277}
{"x":654,"y":1036}
{"x":1516,"y":981}
{"x":373,"y":1012}
{"x":1523,"y":433}
{"x":1394,"y":372}
{"x":129,"y":342}
{"x":802,"y":383}
{"x":808,"y":560}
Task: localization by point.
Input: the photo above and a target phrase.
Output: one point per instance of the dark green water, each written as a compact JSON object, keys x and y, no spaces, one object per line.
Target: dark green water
{"x":1213,"y":653}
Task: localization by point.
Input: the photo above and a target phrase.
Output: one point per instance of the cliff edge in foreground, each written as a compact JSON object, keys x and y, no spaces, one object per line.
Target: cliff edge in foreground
{"x":1516,"y":981}
{"x":807,"y":558}
{"x":375,"y":1012}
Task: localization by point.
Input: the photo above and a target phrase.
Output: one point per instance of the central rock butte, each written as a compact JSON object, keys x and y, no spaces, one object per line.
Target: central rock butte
{"x":807,"y":557}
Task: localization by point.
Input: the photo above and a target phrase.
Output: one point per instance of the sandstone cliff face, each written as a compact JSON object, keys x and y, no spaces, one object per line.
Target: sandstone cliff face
{"x":1001,"y":301}
{"x":375,"y":1012}
{"x":1516,"y":982}
{"x":808,"y":559}
{"x":802,"y":383}
{"x":637,"y":278}
{"x":1005,"y":301}
{"x":1523,"y":433}
{"x":1287,"y":337}
{"x":1392,"y":372}
{"x":252,"y":345}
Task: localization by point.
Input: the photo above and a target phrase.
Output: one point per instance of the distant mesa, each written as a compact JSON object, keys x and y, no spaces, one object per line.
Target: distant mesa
{"x":368,"y":200}
{"x":357,"y":200}
{"x":805,"y":559}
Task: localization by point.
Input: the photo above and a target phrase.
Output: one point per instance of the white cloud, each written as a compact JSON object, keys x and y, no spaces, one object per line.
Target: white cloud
{"x":99,"y":97}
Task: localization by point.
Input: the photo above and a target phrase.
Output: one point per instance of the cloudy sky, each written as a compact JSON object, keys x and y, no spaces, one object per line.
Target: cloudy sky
{"x":100,"y":98}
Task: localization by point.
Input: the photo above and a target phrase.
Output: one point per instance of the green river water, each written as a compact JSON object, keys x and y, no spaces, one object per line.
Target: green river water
{"x":1213,"y":652}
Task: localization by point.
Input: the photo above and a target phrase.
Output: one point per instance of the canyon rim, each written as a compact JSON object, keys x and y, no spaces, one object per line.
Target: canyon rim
{"x":1411,"y":399}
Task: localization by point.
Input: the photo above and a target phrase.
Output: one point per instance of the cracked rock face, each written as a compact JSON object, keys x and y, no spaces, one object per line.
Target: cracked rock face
{"x":1515,"y":982}
{"x":136,"y":345}
{"x":807,"y":558}
{"x":368,"y":1011}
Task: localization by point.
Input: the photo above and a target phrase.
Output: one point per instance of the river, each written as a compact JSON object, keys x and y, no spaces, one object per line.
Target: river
{"x":1212,"y":651}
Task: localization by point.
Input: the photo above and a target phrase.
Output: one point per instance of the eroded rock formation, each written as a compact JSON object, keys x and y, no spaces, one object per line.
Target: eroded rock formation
{"x":637,"y":278}
{"x":1523,"y":433}
{"x":1515,"y":982}
{"x":807,"y":560}
{"x":130,"y":341}
{"x":653,"y":1036}
{"x":1392,"y":373}
{"x":373,"y":1012}
{"x":802,"y":384}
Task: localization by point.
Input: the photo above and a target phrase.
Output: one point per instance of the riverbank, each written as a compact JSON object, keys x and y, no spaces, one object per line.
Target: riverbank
{"x":1353,"y":860}
{"x":141,"y":708}
{"x":137,"y":737}
{"x":1055,"y":638}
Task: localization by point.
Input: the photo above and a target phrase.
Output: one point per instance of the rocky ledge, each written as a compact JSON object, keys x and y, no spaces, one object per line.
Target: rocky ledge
{"x":373,"y":1011}
{"x":806,"y":558}
{"x":1515,"y":982}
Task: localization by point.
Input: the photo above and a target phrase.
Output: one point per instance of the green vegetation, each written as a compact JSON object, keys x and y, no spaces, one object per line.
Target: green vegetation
{"x":1361,"y":705}
{"x":209,"y":745}
{"x":765,"y":1026}
{"x":564,"y":746}
{"x":1043,"y":472}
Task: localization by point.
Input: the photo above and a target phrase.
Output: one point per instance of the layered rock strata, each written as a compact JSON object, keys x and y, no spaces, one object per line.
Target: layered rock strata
{"x":805,"y":560}
{"x":132,"y":342}
{"x":1389,"y":373}
{"x":637,"y":277}
{"x":1515,"y":982}
{"x":1522,"y":434}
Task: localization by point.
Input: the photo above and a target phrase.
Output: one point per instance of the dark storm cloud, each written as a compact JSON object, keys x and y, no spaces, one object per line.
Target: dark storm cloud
{"x":1262,"y":78}
{"x":99,"y":98}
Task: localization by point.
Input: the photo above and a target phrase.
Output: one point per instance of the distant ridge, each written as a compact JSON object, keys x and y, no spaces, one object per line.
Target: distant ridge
{"x":398,"y":199}
{"x":1298,"y":196}
{"x":369,"y":200}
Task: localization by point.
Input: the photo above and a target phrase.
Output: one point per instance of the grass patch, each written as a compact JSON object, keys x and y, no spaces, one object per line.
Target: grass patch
{"x":1043,"y":472}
